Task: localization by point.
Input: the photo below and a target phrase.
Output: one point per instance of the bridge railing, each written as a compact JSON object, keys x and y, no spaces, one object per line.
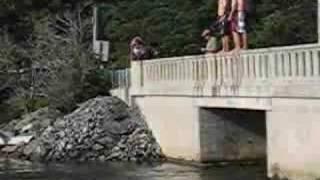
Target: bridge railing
{"x":226,"y":73}
{"x":120,"y":78}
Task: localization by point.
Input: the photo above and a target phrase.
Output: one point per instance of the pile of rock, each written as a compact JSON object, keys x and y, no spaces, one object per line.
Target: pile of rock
{"x":104,"y":128}
{"x":138,"y":146}
{"x":33,"y":123}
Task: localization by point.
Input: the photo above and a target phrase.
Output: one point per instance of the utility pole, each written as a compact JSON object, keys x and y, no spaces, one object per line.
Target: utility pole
{"x":100,"y":47}
{"x":318,"y":21}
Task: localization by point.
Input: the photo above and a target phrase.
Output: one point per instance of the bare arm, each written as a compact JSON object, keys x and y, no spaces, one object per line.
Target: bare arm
{"x":222,"y":7}
{"x":209,"y":50}
{"x":212,"y":50}
{"x":242,"y":5}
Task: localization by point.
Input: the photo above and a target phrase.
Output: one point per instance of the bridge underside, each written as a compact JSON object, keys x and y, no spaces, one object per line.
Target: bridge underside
{"x":232,"y":134}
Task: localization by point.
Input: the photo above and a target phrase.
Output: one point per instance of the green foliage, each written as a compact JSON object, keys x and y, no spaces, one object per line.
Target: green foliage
{"x":61,"y":70}
{"x":97,"y":82}
{"x":175,"y":26}
{"x":26,"y":105}
{"x":172,"y":27}
{"x":65,"y":52}
{"x":9,"y":112}
{"x":277,"y":22}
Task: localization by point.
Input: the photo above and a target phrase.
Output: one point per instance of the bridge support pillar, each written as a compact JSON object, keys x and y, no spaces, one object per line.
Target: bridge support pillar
{"x":136,"y":77}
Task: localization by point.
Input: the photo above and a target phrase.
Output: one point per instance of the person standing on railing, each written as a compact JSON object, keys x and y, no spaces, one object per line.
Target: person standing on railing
{"x":212,"y":42}
{"x":238,"y":19}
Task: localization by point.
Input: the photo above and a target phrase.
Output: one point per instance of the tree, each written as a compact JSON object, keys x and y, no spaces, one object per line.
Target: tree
{"x":174,"y":27}
{"x":56,"y":35}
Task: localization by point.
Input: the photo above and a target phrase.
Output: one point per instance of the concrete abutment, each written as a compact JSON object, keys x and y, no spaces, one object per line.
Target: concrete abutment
{"x":188,"y":130}
{"x":293,"y":131}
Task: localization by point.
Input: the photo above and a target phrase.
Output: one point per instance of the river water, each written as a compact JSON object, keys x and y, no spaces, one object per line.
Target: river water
{"x":15,"y":170}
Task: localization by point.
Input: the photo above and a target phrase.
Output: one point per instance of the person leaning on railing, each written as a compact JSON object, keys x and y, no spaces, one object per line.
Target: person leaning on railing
{"x":212,"y":42}
{"x":139,"y":50}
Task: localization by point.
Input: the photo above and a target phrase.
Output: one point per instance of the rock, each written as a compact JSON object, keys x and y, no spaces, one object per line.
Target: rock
{"x":102,"y":158}
{"x":26,"y":128}
{"x":73,"y":154}
{"x":33,"y":123}
{"x":33,"y":150}
{"x":6,"y":134}
{"x":105,"y":140}
{"x":5,"y":137}
{"x":97,"y":147}
{"x":19,"y":140}
{"x":10,"y":149}
{"x":101,"y":129}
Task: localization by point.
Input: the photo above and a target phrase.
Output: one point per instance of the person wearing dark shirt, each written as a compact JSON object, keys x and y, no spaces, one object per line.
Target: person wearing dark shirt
{"x":212,"y":42}
{"x":139,"y":50}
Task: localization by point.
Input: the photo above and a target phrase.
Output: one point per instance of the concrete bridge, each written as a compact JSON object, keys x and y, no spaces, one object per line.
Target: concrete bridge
{"x":262,"y":103}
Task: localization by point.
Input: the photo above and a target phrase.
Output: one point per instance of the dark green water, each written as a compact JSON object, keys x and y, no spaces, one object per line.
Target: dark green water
{"x":118,"y":171}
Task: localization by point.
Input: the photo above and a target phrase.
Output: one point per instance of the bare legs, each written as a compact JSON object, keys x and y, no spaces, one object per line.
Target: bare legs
{"x":225,"y":43}
{"x":236,"y":40}
{"x":240,"y":40}
{"x":239,"y":32}
{"x":244,"y":40}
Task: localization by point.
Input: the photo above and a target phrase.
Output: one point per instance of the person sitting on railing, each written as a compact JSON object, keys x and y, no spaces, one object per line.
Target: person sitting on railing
{"x":212,"y":42}
{"x":139,"y":50}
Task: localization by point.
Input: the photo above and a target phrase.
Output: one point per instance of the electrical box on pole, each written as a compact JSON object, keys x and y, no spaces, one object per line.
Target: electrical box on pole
{"x":101,"y":46}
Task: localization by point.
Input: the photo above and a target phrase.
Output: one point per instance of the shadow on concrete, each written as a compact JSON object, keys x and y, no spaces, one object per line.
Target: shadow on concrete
{"x":232,"y":134}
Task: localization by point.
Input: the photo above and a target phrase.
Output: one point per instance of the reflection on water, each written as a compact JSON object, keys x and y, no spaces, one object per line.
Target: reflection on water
{"x":121,"y":171}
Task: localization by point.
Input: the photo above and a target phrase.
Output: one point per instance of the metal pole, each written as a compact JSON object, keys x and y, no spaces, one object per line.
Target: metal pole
{"x":318,"y":21}
{"x":94,"y":23}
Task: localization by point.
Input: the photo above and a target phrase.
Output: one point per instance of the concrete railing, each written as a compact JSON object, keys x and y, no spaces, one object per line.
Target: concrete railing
{"x":121,"y":84}
{"x":231,"y":73}
{"x":120,"y":78}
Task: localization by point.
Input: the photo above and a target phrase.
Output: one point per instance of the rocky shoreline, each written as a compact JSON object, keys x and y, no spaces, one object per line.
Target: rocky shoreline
{"x":101,"y":129}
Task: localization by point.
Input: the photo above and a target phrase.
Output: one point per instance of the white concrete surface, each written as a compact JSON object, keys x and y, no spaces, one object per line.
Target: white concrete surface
{"x":283,"y":81}
{"x":174,"y":122}
{"x":293,"y":130}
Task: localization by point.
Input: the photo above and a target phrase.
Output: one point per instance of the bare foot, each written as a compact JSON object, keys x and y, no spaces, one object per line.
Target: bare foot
{"x":235,"y":50}
{"x":221,"y":52}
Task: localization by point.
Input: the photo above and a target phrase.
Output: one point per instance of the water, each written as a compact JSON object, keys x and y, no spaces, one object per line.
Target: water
{"x":122,"y":171}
